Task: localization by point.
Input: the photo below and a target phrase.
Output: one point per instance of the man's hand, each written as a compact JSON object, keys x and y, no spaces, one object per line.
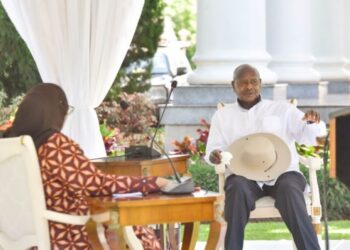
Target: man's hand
{"x":311,"y":116}
{"x":215,"y":156}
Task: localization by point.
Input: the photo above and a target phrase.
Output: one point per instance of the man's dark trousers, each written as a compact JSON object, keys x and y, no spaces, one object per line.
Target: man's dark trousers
{"x":240,"y":197}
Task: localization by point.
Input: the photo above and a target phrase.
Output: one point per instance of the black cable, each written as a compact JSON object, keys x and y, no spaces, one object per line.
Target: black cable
{"x":324,"y":190}
{"x":176,"y":174}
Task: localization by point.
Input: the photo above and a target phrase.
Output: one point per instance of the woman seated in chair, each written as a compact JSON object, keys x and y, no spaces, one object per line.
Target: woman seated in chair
{"x":68,"y":176}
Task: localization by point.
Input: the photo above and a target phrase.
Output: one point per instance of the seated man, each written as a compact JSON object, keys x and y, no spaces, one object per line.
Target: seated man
{"x":252,"y":114}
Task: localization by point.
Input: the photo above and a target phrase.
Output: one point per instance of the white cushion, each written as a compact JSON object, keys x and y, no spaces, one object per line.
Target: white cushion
{"x":18,"y":220}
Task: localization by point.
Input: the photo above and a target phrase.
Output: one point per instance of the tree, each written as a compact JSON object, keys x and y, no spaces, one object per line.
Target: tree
{"x":184,"y":18}
{"x":141,"y":50}
{"x":18,"y":71}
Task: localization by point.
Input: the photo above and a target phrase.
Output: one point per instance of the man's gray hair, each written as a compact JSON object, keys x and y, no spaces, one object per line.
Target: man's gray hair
{"x":243,"y":68}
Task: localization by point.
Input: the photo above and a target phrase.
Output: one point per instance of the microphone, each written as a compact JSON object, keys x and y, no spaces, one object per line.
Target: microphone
{"x":173,"y":86}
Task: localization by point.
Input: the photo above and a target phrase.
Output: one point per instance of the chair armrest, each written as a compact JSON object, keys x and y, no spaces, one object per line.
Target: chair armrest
{"x":220,"y":169}
{"x":313,"y":164}
{"x":221,"y":182}
{"x":66,"y":218}
{"x":101,"y":217}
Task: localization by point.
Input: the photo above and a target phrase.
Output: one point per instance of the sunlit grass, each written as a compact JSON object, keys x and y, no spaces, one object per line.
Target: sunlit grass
{"x":278,"y":231}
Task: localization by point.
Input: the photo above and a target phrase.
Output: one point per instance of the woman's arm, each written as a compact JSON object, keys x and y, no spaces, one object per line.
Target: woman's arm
{"x":63,"y":158}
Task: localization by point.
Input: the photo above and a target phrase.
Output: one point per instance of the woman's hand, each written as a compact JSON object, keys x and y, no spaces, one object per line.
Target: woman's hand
{"x":162,"y":182}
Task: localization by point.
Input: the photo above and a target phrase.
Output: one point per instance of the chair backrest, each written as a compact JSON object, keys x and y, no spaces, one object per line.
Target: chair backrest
{"x":22,"y":201}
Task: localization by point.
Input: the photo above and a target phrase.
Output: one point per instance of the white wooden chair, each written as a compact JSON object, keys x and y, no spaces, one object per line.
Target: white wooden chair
{"x":23,"y":214}
{"x":264,"y":207}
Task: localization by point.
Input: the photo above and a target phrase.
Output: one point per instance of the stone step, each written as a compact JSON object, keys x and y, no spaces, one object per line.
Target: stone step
{"x":307,"y":90}
{"x":207,"y":94}
{"x":212,"y":94}
{"x":339,"y":87}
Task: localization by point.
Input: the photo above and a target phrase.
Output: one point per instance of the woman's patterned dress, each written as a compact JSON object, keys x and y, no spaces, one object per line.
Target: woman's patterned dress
{"x":69,"y":177}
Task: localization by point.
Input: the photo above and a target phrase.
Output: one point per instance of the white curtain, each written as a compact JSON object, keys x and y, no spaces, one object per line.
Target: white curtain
{"x":79,"y":45}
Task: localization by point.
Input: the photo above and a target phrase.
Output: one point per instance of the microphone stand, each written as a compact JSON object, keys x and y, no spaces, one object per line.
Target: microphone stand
{"x":150,"y":152}
{"x":173,"y":86}
{"x":176,"y":174}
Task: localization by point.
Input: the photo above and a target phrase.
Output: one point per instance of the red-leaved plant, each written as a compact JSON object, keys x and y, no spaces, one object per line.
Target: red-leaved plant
{"x":133,"y":124}
{"x":194,"y":147}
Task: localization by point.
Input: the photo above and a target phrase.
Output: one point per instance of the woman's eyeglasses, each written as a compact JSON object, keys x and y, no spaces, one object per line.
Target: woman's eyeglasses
{"x":70,"y":110}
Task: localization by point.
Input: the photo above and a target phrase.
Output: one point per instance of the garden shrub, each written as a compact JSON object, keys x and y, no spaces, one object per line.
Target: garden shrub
{"x":7,"y":112}
{"x":137,"y":118}
{"x":127,"y":127}
{"x":338,"y":195}
{"x":204,"y":175}
{"x":338,"y":199}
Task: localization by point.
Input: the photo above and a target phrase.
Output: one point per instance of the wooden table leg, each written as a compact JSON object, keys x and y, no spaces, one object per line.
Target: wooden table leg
{"x":92,"y":235}
{"x":190,"y":235}
{"x":217,"y":229}
{"x":173,"y":236}
{"x":163,"y":235}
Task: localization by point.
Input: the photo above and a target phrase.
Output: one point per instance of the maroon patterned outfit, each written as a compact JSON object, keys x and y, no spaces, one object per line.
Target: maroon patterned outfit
{"x":69,"y":177}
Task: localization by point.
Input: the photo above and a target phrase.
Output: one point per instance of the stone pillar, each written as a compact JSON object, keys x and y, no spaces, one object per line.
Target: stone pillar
{"x":346,"y":12}
{"x":229,"y":33}
{"x":328,"y":44}
{"x":289,"y":43}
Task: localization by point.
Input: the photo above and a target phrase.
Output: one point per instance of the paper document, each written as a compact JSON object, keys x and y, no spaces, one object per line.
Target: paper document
{"x":126,"y":195}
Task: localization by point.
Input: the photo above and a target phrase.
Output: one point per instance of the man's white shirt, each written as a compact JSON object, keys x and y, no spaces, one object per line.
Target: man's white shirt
{"x":278,"y":117}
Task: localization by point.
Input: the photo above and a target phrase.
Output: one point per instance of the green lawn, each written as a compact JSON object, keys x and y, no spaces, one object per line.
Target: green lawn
{"x":278,"y":231}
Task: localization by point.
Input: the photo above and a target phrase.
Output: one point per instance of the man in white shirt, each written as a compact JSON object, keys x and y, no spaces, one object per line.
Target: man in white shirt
{"x":252,"y":114}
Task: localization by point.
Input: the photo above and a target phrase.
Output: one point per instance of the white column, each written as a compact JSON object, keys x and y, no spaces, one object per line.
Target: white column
{"x":229,"y":33}
{"x":328,"y":39}
{"x":346,"y":26}
{"x":289,"y":40}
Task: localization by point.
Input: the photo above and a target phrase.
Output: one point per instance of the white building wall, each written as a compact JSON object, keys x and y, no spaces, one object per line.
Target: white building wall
{"x":229,"y":33}
{"x":298,"y":41}
{"x":289,"y":41}
{"x":328,"y":39}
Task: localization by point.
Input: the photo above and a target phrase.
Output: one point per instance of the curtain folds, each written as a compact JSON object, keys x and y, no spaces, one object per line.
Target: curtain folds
{"x":79,"y":45}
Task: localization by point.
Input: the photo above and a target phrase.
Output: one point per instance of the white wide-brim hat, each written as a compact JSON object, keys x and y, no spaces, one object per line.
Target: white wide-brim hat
{"x":259,"y":157}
